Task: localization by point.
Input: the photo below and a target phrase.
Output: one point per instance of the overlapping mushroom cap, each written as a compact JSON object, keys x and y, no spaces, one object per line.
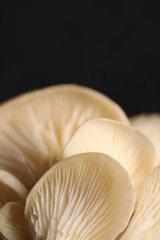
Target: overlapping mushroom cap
{"x":124,"y":143}
{"x":34,"y":128}
{"x":87,"y":196}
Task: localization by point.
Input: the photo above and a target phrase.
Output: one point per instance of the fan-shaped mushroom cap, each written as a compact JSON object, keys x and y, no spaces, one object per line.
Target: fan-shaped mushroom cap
{"x":145,"y":224}
{"x":87,"y":196}
{"x":149,"y":124}
{"x":11,"y":189}
{"x":35,"y":127}
{"x":124,"y":143}
{"x":12,"y":223}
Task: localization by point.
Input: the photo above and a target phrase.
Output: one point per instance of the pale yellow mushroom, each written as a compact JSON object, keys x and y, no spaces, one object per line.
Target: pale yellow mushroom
{"x":12,"y":222}
{"x":124,"y":143}
{"x":85,"y":197}
{"x":149,"y":124}
{"x":145,"y":223}
{"x":11,"y":189}
{"x":35,"y":127}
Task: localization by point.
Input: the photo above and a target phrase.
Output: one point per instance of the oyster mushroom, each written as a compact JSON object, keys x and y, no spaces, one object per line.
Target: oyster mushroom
{"x":145,"y":223}
{"x":125,"y":144}
{"x":12,"y":222}
{"x":11,"y":189}
{"x":86,"y":196}
{"x":149,"y":124}
{"x":35,"y":127}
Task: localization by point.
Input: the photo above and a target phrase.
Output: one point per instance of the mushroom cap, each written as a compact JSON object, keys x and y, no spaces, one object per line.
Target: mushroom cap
{"x":145,"y":223}
{"x":12,"y":223}
{"x":35,"y":127}
{"x":149,"y":124}
{"x":11,"y":189}
{"x":124,"y":143}
{"x":87,"y":196}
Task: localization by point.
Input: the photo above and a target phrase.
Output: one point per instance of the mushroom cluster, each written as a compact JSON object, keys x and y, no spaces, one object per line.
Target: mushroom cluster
{"x":73,"y":166}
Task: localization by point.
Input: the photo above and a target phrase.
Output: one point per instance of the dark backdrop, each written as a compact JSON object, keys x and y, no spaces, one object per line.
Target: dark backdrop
{"x":114,"y":48}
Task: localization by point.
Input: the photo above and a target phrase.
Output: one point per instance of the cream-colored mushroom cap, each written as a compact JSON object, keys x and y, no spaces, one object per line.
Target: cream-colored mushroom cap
{"x":11,"y":189}
{"x":145,"y":224}
{"x":35,"y":127}
{"x":12,"y":223}
{"x":149,"y":124}
{"x":85,"y":197}
{"x":125,"y":144}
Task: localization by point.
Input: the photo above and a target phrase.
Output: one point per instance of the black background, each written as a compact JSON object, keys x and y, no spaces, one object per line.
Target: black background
{"x":114,"y":48}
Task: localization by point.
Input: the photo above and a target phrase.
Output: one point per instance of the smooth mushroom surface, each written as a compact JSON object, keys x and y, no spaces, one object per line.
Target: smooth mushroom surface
{"x":35,"y":127}
{"x":12,"y":223}
{"x":11,"y":189}
{"x":149,"y":124}
{"x":145,"y":223}
{"x":87,"y":196}
{"x":124,"y":143}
